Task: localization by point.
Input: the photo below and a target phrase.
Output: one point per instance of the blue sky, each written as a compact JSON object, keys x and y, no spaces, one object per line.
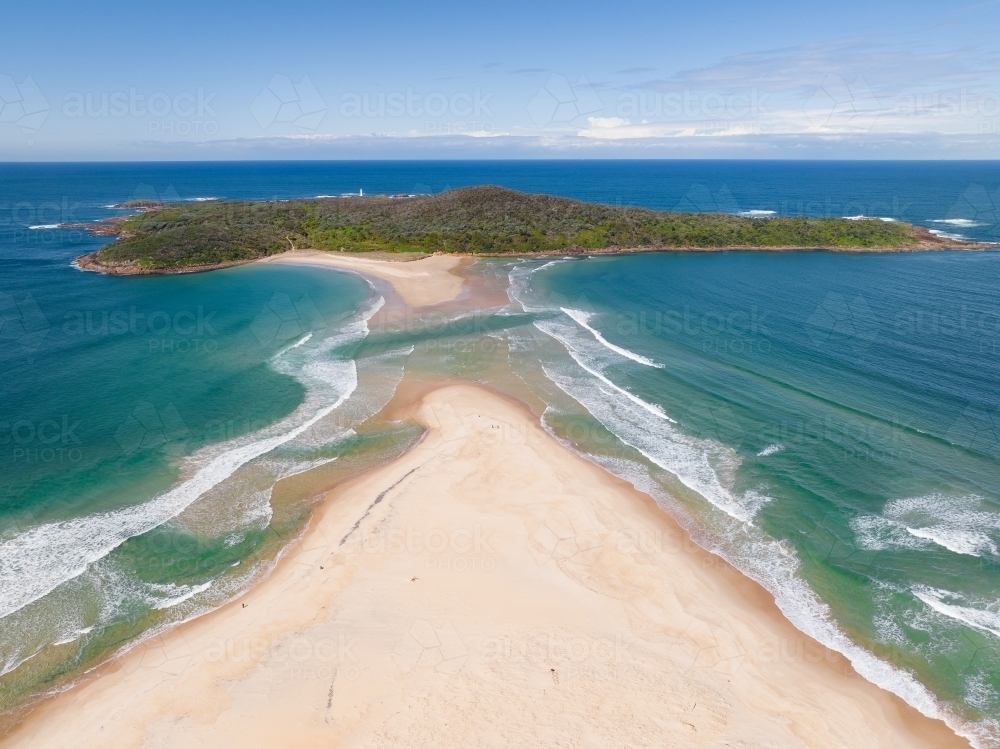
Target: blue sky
{"x":299,"y":79}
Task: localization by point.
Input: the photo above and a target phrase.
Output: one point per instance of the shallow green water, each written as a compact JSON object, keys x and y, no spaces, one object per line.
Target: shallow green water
{"x":827,"y":422}
{"x":155,"y":396}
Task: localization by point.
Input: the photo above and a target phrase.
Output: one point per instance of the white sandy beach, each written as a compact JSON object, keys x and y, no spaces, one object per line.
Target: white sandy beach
{"x":488,"y":588}
{"x":420,"y":283}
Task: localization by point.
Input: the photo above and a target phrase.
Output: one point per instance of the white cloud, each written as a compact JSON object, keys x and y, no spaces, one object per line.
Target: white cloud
{"x":619,"y":128}
{"x":851,"y":87}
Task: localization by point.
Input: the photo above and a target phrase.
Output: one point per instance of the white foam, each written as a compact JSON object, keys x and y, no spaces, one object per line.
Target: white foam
{"x":45,"y":226}
{"x":802,"y":608}
{"x":961,"y":542}
{"x":875,"y":533}
{"x":75,"y":636}
{"x":943,"y":602}
{"x":871,"y":218}
{"x":200,"y":200}
{"x":550,"y":263}
{"x":693,"y":461}
{"x":946,"y":235}
{"x":34,"y":563}
{"x":305,"y":339}
{"x":519,"y":280}
{"x":756,"y":212}
{"x":583,"y":318}
{"x":770,"y":450}
{"x":175,"y":594}
{"x":231,"y":507}
{"x":966,"y":222}
{"x":775,"y":566}
{"x":302,"y":467}
{"x":981,"y":694}
{"x":960,"y":524}
{"x":581,"y":360}
{"x":730,"y":533}
{"x":252,"y":510}
{"x":12,"y":665}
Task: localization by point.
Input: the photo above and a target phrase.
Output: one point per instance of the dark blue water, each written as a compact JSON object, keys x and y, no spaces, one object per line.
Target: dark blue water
{"x":841,"y":406}
{"x":844,"y":408}
{"x":921,"y":192}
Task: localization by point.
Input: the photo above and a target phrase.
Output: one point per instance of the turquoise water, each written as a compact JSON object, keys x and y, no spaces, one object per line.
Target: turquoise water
{"x":141,"y":401}
{"x":816,"y":418}
{"x":829,"y":423}
{"x":182,"y":352}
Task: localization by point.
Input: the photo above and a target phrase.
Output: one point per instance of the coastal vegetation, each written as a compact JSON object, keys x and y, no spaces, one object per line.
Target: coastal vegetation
{"x":475,"y":220}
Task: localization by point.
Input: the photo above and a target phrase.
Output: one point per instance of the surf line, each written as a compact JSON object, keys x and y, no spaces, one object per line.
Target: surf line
{"x":583,"y":318}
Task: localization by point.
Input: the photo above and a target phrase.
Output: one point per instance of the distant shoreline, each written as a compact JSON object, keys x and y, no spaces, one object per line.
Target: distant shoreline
{"x":91,"y":261}
{"x":485,"y":221}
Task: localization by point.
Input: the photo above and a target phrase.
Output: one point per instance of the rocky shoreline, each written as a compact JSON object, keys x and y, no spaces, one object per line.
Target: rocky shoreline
{"x":91,"y":262}
{"x":125,"y":228}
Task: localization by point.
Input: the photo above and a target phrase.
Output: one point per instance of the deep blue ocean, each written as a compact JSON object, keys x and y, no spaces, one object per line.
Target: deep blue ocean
{"x":829,"y":422}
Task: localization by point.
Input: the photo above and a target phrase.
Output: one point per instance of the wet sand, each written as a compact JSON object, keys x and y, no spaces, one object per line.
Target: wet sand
{"x":490,"y":587}
{"x":420,"y":283}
